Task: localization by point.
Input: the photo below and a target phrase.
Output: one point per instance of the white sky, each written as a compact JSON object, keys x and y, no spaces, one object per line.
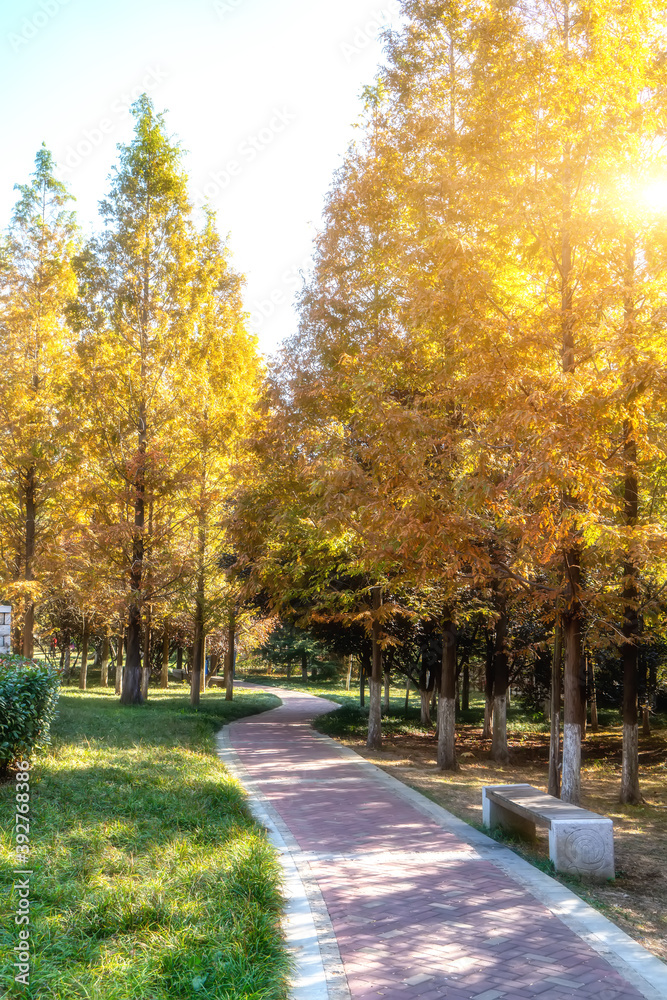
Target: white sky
{"x":263,"y":96}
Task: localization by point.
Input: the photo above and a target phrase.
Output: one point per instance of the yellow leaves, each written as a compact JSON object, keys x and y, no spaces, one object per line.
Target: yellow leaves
{"x":22,"y":590}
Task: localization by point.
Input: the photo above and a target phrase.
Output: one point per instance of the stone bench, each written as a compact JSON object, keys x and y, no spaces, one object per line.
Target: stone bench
{"x":580,"y":842}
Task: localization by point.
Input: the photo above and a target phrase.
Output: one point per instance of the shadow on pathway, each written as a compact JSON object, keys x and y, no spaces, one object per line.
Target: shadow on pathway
{"x":417,"y":912}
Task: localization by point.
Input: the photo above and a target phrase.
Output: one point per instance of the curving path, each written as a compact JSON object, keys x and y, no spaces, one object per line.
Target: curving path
{"x":410,"y":902}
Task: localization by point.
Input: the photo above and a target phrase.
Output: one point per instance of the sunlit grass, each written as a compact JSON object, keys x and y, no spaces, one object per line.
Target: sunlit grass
{"x":352,"y":720}
{"x":150,"y":878}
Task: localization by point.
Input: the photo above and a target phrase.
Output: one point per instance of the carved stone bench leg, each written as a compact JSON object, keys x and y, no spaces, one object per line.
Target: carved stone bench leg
{"x":583,"y":847}
{"x":496,"y":815}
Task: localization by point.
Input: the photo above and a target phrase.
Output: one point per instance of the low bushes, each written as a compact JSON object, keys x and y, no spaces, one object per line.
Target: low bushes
{"x":28,"y":697}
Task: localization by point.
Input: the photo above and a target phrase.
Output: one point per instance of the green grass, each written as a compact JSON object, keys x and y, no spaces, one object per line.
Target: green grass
{"x":352,"y":721}
{"x":151,"y":881}
{"x":335,"y":690}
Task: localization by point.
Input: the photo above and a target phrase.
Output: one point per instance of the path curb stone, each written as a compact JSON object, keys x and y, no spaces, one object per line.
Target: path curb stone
{"x":645,"y":971}
{"x":320,"y":973}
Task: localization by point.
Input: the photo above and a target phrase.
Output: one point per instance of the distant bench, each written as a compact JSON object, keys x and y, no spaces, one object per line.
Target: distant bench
{"x":580,"y":842}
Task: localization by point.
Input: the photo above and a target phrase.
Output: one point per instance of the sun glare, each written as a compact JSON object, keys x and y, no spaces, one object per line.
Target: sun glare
{"x":654,"y":196}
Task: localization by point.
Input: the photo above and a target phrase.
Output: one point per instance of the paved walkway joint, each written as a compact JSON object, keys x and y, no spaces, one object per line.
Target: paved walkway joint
{"x":409,"y":903}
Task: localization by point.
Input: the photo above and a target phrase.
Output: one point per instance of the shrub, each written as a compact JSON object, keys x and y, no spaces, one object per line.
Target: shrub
{"x":28,"y":697}
{"x":327,"y":671}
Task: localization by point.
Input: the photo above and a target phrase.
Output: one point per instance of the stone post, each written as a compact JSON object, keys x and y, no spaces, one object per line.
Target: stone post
{"x":5,"y":628}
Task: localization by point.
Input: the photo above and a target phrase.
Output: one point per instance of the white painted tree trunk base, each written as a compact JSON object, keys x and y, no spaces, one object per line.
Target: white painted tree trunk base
{"x":488,"y":719}
{"x":571,"y":773}
{"x":499,"y":751}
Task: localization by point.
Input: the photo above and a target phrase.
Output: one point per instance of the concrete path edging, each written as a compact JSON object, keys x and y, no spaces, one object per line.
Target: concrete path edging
{"x":645,"y":971}
{"x":319,"y":971}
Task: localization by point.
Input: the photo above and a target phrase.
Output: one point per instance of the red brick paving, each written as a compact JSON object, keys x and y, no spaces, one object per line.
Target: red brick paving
{"x":413,"y":920}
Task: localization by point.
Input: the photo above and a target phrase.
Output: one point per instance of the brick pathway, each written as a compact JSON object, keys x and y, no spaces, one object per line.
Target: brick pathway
{"x":417,"y":914}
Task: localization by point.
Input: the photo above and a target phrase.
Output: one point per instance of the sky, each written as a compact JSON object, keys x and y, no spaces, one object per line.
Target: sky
{"x":262,"y":94}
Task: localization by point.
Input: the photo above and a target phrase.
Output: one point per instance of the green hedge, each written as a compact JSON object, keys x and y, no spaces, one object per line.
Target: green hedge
{"x":28,"y":698}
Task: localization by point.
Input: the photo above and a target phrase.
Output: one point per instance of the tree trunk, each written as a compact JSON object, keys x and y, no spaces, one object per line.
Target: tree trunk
{"x":554,"y":741}
{"x":179,"y":656}
{"x":146,"y":669}
{"x":67,"y":665}
{"x":29,"y":611}
{"x":214,"y":666}
{"x":83,"y":673}
{"x":652,"y":687}
{"x":164,"y":673}
{"x":499,"y":751}
{"x":387,"y":682}
{"x":425,"y":707}
{"x":465,"y":694}
{"x":592,"y":691}
{"x":198,"y":649}
{"x":374,"y":738}
{"x":203,"y":677}
{"x":646,"y":701}
{"x":407,"y":696}
{"x":572,"y":613}
{"x":289,"y":671}
{"x":488,"y":687}
{"x":364,"y":670}
{"x":630,"y":792}
{"x":348,"y":680}
{"x":119,"y":664}
{"x":642,"y":675}
{"x":304,"y":666}
{"x":571,"y":770}
{"x":229,"y":657}
{"x":17,"y":638}
{"x":646,"y":720}
{"x":104,"y":665}
{"x":447,"y":700}
{"x":197,"y":659}
{"x":132,"y":674}
{"x":583,"y":694}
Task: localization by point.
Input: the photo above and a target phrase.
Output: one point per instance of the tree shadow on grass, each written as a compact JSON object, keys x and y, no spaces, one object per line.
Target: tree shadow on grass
{"x":148,"y":871}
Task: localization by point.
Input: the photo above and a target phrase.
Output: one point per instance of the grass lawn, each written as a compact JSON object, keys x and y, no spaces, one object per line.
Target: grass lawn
{"x":637,"y":899}
{"x":151,"y":880}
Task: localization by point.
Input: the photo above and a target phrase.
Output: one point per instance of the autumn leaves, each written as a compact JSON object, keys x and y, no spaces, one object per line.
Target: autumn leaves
{"x":467,"y":429}
{"x":128,"y":385}
{"x":471,"y":415}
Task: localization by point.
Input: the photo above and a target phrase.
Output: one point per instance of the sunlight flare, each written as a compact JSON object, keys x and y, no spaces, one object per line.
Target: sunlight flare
{"x":654,"y":196}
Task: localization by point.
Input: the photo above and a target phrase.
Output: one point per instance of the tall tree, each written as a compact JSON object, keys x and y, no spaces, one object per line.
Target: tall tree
{"x":218,"y":386}
{"x":138,"y":311}
{"x":37,"y":427}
